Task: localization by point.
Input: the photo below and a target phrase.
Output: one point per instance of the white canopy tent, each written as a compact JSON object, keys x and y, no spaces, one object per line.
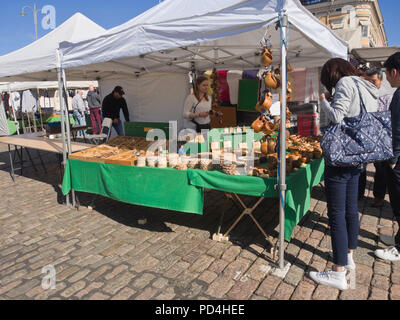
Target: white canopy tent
{"x":40,"y":61}
{"x":183,"y":35}
{"x":25,"y":85}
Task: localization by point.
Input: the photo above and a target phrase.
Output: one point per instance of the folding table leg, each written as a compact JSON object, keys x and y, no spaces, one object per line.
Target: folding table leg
{"x":11,"y":164}
{"x":41,"y":161}
{"x":30,"y":158}
{"x":218,"y":236}
{"x":91,"y":205}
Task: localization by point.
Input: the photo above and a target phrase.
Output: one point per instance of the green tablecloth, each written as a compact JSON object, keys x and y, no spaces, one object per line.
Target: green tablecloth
{"x":12,"y":128}
{"x":152,"y":187}
{"x":183,"y":190}
{"x":298,"y":194}
{"x":58,"y":119}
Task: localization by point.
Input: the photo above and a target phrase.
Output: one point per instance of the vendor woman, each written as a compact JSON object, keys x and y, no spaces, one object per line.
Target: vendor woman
{"x":197,"y":106}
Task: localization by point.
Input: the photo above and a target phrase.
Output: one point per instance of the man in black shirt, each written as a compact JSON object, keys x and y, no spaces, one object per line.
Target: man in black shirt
{"x":392,"y":167}
{"x":111,"y":107}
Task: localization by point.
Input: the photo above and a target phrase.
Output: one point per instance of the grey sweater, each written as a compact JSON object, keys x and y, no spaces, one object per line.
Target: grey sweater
{"x":346,"y":100}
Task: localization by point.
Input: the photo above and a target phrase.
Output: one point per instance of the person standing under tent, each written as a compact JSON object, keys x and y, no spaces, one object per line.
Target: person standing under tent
{"x":94,"y":103}
{"x":111,"y":108}
{"x":79,"y":108}
{"x":197,"y":106}
{"x":375,"y":76}
{"x":341,"y":183}
{"x":392,"y":166}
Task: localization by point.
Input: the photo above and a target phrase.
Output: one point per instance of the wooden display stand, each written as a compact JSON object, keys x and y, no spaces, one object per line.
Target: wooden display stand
{"x":229,"y":119}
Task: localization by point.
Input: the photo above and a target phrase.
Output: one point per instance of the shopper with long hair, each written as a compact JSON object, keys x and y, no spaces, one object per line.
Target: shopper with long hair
{"x":345,"y":91}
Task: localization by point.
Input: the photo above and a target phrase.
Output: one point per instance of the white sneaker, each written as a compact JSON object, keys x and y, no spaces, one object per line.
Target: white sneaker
{"x":390,"y":254}
{"x":331,"y":278}
{"x":350,"y":262}
{"x":388,"y":240}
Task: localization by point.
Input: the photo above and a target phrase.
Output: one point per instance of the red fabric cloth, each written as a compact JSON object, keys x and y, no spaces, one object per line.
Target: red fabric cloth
{"x":224,"y":87}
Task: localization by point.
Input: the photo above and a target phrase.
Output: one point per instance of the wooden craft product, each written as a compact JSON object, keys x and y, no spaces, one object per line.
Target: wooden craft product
{"x":125,"y":158}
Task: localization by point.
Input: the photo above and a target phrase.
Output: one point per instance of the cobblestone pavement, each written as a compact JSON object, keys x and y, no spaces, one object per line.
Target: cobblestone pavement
{"x":106,"y":254}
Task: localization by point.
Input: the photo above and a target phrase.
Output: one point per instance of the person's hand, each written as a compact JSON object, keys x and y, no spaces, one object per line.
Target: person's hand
{"x":204,"y":114}
{"x":115,"y":121}
{"x":393,"y":166}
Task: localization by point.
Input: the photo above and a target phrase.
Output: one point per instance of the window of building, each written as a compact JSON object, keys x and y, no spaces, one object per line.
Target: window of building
{"x":364,"y":31}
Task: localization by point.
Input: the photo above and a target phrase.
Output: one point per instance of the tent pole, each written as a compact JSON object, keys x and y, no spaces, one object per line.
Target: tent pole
{"x":68,"y":128}
{"x":60,"y":91}
{"x":282,"y":151}
{"x":60,"y":96}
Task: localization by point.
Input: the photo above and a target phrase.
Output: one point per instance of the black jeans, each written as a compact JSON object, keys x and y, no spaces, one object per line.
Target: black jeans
{"x":341,"y":185}
{"x":379,"y":181}
{"x":393,"y":184}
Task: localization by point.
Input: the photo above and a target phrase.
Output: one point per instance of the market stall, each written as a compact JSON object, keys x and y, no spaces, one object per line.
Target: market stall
{"x":212,"y":34}
{"x":40,"y":61}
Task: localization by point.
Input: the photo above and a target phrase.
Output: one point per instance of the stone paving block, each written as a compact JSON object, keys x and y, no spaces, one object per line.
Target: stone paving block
{"x":294,"y":276}
{"x":124,"y":294}
{"x":116,"y":284}
{"x":378,"y":294}
{"x":176,"y":269}
{"x":325,"y":293}
{"x":9,"y":286}
{"x":115,"y":272}
{"x":208,"y":276}
{"x":218,"y":250}
{"x":147,"y":294}
{"x":382,"y":268}
{"x":145,"y":264}
{"x":143,"y":280}
{"x":303,"y":291}
{"x":237,"y":269}
{"x":231,"y":253}
{"x":220,"y":287}
{"x":98,"y":272}
{"x":380,"y":282}
{"x":258,"y":270}
{"x":395,"y":292}
{"x":92,"y":286}
{"x":243,"y":289}
{"x":99,"y":296}
{"x":73,"y":288}
{"x":363,"y":274}
{"x":202,"y":263}
{"x":218,"y":266}
{"x":359,"y":292}
{"x":45,"y":294}
{"x":167,"y":294}
{"x":268,"y":286}
{"x":160,"y":283}
{"x":283,"y":292}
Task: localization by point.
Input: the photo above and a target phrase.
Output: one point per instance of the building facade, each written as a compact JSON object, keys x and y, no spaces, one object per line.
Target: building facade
{"x":359,"y":22}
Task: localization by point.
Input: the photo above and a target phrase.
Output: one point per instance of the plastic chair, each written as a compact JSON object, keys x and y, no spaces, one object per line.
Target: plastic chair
{"x":102,"y":137}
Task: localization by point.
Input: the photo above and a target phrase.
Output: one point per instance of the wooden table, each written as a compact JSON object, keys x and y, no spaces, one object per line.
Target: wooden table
{"x":39,"y":142}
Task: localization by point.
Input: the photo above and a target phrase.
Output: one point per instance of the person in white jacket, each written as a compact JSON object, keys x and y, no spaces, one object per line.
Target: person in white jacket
{"x":341,"y":183}
{"x":79,"y":109}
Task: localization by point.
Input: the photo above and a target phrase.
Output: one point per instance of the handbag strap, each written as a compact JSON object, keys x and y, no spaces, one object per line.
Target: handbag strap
{"x":363,"y":109}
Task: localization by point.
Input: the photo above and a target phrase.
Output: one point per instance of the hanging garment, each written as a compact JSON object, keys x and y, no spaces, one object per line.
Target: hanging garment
{"x":224,"y":88}
{"x":250,"y":74}
{"x":233,"y":78}
{"x":15,"y":101}
{"x":29,"y":101}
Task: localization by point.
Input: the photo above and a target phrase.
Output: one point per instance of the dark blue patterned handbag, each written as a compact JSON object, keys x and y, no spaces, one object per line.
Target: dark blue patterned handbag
{"x":365,"y":138}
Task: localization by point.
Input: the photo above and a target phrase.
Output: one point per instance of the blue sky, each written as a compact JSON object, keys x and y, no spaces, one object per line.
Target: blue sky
{"x":17,"y":31}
